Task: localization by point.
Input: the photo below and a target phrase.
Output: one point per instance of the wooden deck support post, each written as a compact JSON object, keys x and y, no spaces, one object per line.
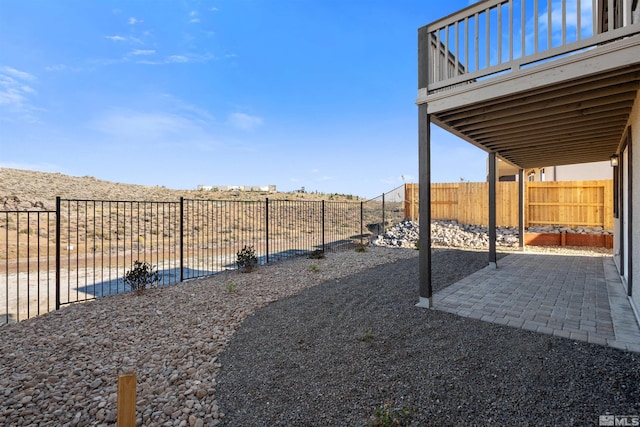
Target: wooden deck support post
{"x":521,"y":184}
{"x":424,"y":240}
{"x":424,"y":174}
{"x":492,"y":209}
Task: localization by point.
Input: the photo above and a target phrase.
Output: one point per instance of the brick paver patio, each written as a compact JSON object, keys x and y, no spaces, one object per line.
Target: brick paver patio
{"x":576,"y":297}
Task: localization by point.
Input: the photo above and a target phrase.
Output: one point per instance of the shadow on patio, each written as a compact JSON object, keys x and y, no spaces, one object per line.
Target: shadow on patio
{"x":576,"y":297}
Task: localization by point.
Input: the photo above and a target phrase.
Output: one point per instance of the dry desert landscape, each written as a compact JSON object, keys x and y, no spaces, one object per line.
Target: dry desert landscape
{"x":106,"y":226}
{"x":26,"y":190}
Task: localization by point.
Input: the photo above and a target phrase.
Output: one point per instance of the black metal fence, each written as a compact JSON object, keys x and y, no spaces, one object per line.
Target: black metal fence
{"x":83,"y":250}
{"x":27,"y":275}
{"x":384,"y":211}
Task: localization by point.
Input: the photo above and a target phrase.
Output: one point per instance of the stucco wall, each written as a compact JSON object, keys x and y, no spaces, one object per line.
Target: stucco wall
{"x":634,"y":121}
{"x":616,"y":242}
{"x":596,"y":170}
{"x":579,"y":172}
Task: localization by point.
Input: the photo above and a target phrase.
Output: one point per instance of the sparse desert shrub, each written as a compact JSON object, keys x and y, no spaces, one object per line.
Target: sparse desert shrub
{"x":367,"y":337}
{"x":141,"y":275}
{"x":361,"y":248}
{"x":317,"y":254}
{"x":388,"y":416}
{"x":314,"y":268}
{"x":246,"y":259}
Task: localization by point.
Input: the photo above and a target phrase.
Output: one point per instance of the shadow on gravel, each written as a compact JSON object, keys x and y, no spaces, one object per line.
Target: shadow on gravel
{"x":168,"y":276}
{"x":334,"y":354}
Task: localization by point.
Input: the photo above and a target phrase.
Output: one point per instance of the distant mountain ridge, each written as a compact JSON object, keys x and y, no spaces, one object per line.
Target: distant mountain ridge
{"x":33,"y":190}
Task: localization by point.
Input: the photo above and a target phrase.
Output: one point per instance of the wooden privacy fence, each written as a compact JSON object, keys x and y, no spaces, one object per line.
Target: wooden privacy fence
{"x":566,"y":203}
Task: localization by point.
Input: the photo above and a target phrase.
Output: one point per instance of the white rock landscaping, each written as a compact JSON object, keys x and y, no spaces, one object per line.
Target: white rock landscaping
{"x":452,"y":234}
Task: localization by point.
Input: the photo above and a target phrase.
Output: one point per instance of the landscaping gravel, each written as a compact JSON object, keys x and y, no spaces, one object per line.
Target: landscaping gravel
{"x":355,"y":351}
{"x":329,"y":342}
{"x":61,"y":369}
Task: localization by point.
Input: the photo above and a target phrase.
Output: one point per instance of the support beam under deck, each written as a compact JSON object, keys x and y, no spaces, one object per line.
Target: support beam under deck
{"x":424,"y":165}
{"x":492,"y":209}
{"x":521,"y":184}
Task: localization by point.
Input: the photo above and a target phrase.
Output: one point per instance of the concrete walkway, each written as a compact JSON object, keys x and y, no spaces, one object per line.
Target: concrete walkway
{"x":576,"y":297}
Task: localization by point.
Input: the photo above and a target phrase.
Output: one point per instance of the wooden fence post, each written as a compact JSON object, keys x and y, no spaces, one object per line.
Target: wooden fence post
{"x":127,"y":400}
{"x":608,"y":204}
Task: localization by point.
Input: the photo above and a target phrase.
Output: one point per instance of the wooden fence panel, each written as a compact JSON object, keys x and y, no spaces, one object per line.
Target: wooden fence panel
{"x":445,"y":199}
{"x":507,"y":204}
{"x":570,"y":203}
{"x":473,"y":202}
{"x":411,"y":201}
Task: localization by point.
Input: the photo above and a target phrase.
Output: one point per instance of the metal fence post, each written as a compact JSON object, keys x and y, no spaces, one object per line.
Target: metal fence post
{"x":57,"y":252}
{"x":323,"y":226}
{"x":361,"y":223}
{"x":266,"y":219}
{"x":384,"y":225}
{"x":181,"y":238}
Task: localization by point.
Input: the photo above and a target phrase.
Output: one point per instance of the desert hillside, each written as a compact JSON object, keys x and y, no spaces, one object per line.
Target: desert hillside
{"x":24,"y":189}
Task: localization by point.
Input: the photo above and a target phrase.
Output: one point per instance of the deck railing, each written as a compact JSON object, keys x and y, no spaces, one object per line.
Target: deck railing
{"x":493,"y":37}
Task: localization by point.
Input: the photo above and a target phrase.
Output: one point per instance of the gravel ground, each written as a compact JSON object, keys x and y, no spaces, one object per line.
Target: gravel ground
{"x":304,"y":342}
{"x":356,"y":351}
{"x":61,"y":369}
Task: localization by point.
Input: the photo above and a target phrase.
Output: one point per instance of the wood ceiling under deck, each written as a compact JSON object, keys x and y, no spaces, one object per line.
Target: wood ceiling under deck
{"x":577,"y":121}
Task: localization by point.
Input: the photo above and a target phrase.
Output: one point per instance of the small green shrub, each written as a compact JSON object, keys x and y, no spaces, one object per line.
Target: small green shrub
{"x":314,"y":267}
{"x":389,"y":416}
{"x":141,"y":275}
{"x":361,"y":248}
{"x":230,"y":287}
{"x":246,"y":259}
{"x":317,"y":254}
{"x":367,"y":337}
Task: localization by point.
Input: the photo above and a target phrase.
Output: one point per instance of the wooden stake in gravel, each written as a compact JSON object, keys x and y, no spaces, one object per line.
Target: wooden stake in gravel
{"x":127,"y":400}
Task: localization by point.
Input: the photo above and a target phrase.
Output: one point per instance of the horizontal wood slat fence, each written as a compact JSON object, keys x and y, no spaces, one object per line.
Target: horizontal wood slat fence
{"x":566,"y":203}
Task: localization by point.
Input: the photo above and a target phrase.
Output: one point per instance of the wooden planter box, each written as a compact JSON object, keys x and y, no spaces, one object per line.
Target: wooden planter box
{"x":567,"y":239}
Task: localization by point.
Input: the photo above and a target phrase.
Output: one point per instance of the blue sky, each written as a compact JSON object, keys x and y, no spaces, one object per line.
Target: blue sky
{"x":297,"y":93}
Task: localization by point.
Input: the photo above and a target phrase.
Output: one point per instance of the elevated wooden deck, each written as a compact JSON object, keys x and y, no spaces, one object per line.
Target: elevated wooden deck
{"x":537,"y":82}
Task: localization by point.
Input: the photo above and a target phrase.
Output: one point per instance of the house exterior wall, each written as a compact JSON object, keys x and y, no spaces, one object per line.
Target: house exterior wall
{"x":584,"y":171}
{"x":624,"y":213}
{"x":580,"y":172}
{"x":634,"y":122}
{"x":616,"y":242}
